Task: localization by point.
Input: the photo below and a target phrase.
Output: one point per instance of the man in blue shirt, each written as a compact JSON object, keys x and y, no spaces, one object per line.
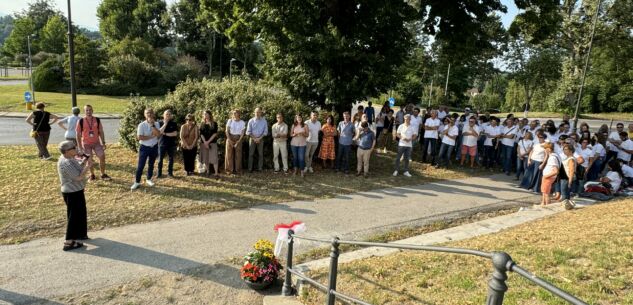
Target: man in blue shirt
{"x":370,"y":113}
{"x":257,"y":129}
{"x":366,"y":142}
{"x":345,"y":137}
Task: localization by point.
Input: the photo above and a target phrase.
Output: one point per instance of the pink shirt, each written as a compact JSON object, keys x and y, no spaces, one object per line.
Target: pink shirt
{"x":298,"y":140}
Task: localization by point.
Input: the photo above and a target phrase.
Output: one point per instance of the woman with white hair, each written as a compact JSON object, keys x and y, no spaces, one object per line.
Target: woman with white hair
{"x":72,"y":175}
{"x":70,"y":131}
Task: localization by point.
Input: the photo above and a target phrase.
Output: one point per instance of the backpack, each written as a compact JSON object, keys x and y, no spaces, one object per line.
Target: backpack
{"x":81,"y":124}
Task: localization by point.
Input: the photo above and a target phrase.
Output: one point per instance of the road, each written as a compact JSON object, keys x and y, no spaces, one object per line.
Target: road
{"x":13,"y":82}
{"x":14,"y":131}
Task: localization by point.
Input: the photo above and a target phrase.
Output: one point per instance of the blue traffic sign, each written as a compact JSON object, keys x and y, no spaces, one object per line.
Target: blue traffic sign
{"x":27,"y":96}
{"x":392,"y":101}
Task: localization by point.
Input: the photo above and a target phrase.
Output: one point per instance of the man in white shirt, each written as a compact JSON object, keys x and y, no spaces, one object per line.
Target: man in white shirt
{"x":441,"y":114}
{"x":612,"y":143}
{"x":431,"y":125}
{"x":416,"y":121}
{"x":314,"y":126}
{"x":470,"y":134}
{"x":147,"y":134}
{"x":508,"y":133}
{"x":625,"y":148}
{"x":407,"y":135}
{"x":491,"y":132}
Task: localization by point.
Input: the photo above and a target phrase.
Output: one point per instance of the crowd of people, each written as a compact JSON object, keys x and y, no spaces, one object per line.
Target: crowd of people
{"x":557,"y":161}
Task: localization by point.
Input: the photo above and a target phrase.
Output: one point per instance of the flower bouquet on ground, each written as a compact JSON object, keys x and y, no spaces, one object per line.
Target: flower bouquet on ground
{"x":261,"y":267}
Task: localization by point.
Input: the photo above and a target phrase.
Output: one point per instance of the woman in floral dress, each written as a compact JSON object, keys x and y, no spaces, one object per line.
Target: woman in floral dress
{"x":327,"y":144}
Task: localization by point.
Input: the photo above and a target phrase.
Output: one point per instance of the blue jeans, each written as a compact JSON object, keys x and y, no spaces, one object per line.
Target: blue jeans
{"x":169,"y":151}
{"x":298,"y":156}
{"x":406,"y":152}
{"x":532,"y":177}
{"x":342,"y":157}
{"x":445,"y":154}
{"x":425,"y":148}
{"x":594,"y":170}
{"x":565,"y":190}
{"x":521,"y":166}
{"x":146,"y":153}
{"x":506,"y":157}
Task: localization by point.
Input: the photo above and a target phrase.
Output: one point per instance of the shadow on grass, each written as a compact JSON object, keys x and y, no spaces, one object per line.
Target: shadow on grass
{"x":19,"y":299}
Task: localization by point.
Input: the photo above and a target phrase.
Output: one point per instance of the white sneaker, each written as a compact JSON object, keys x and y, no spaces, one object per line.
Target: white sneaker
{"x":311,"y":170}
{"x":135,"y":186}
{"x":149,"y":182}
{"x":407,"y":174}
{"x":395,"y":173}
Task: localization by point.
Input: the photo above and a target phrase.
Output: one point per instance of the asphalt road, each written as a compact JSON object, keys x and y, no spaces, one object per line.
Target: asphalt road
{"x":15,"y":131}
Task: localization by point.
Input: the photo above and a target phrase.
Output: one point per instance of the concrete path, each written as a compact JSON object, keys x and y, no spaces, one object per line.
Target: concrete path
{"x":40,"y":270}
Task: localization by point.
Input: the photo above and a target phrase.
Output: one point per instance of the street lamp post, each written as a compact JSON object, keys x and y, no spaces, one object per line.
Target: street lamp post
{"x":448,"y":74}
{"x":28,"y":44}
{"x":71,"y":55}
{"x":231,"y":69}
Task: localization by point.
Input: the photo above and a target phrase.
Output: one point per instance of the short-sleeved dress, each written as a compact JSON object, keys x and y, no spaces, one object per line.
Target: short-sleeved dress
{"x":327,"y":144}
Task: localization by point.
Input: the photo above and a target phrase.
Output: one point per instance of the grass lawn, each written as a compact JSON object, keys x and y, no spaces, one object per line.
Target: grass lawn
{"x":12,"y":99}
{"x":14,"y":77}
{"x":33,"y":206}
{"x":586,"y":252}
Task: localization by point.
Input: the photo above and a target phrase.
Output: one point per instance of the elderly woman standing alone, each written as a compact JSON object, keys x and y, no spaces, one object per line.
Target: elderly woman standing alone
{"x":41,"y":121}
{"x":72,"y":175}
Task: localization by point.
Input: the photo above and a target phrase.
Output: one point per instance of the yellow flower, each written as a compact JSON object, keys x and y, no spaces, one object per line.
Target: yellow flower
{"x":263,"y":245}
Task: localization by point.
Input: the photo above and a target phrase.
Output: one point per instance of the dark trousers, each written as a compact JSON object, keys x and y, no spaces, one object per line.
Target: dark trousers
{"x":403,"y":151}
{"x":521,"y":166}
{"x":595,"y":170}
{"x":342,"y":157}
{"x":445,"y":154}
{"x":425,"y":148}
{"x":146,"y":154}
{"x":565,"y":190}
{"x":532,"y":177}
{"x":610,"y":155}
{"x":506,"y":158}
{"x":579,"y":183}
{"x":169,"y":152}
{"x":490,"y":156}
{"x":189,"y":159}
{"x":42,"y":140}
{"x":76,"y":214}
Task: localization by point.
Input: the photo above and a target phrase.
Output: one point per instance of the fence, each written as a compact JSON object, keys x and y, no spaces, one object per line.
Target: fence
{"x":501,"y":261}
{"x":6,"y":71}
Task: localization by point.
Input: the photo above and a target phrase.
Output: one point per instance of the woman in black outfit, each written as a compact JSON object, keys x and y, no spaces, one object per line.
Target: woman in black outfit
{"x":41,"y":122}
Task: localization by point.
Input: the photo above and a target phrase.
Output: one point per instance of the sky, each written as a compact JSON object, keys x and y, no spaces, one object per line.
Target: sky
{"x":84,"y":11}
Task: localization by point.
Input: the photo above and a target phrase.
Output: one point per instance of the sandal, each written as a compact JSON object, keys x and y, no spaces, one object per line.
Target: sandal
{"x":73,"y":245}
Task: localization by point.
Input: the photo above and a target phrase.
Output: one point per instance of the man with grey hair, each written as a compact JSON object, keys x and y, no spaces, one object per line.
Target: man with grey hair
{"x":147,"y":134}
{"x":256,"y":129}
{"x":406,"y":135}
{"x":431,"y":126}
{"x":70,"y":132}
{"x":167,"y":143}
{"x":314,"y":126}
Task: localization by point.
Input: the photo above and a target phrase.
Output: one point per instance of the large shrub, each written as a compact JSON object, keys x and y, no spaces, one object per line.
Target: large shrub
{"x":220,"y":97}
{"x":49,"y":76}
{"x":131,"y":71}
{"x":184,"y":67}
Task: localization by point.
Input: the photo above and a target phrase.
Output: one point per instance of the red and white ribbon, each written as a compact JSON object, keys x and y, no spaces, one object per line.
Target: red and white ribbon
{"x":282,"y":236}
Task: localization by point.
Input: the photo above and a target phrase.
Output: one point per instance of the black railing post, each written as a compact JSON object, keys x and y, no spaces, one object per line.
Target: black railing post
{"x":286,"y":290}
{"x":331,"y":298}
{"x":497,"y":287}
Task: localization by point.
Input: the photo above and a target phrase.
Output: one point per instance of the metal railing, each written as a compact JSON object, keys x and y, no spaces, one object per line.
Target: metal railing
{"x":501,"y":262}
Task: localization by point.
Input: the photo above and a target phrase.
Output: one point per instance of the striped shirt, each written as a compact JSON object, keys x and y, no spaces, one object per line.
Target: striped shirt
{"x":69,"y":169}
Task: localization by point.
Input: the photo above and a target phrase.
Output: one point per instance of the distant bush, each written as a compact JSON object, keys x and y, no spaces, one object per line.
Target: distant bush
{"x":41,"y":57}
{"x":129,"y":70}
{"x":184,"y":67}
{"x":49,"y":76}
{"x":220,"y":97}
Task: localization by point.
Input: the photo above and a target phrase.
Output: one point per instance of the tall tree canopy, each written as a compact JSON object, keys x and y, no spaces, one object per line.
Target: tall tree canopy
{"x":146,"y":19}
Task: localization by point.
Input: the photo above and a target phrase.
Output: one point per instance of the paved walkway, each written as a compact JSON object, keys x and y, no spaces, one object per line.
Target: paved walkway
{"x":14,"y":114}
{"x":40,"y":270}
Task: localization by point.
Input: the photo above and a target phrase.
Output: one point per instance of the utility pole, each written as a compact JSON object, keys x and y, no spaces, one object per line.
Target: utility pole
{"x":431,"y":91}
{"x":447,"y":75}
{"x":584,"y":72}
{"x":71,"y":55}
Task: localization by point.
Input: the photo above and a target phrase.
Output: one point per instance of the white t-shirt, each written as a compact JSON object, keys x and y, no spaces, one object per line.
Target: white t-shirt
{"x":314,"y":128}
{"x":71,"y":132}
{"x":491,"y":132}
{"x":614,"y":136}
{"x":616,"y":180}
{"x":628,"y":145}
{"x":406,"y":132}
{"x":538,"y":152}
{"x":416,"y":122}
{"x":599,"y":150}
{"x":235,"y":127}
{"x":380,"y":120}
{"x":627,"y":171}
{"x":525,"y":146}
{"x":431,"y":122}
{"x":553,"y":163}
{"x":470,"y":140}
{"x":452,"y":131}
{"x":145,"y":129}
{"x":586,"y":154}
{"x":441,"y":115}
{"x":511,"y":131}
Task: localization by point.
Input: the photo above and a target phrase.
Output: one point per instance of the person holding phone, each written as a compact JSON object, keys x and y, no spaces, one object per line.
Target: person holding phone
{"x":147,"y":134}
{"x":72,"y":175}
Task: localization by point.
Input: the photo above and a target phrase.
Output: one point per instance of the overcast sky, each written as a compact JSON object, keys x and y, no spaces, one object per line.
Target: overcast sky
{"x":84,"y":11}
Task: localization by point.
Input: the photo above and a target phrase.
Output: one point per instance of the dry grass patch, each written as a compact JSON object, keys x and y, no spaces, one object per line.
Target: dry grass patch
{"x":587,"y":252}
{"x":32,"y":206}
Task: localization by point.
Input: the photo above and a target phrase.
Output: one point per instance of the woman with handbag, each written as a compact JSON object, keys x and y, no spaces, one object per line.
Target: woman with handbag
{"x":209,"y":143}
{"x":189,"y":143}
{"x":41,"y":121}
{"x":550,"y":173}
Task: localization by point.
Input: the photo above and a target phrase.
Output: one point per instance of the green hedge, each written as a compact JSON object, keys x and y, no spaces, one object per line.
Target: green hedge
{"x":49,"y":76}
{"x":220,"y":97}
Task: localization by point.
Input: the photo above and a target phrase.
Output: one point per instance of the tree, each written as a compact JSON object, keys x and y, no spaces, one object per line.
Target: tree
{"x":16,"y":43}
{"x":53,"y":35}
{"x":146,"y":19}
{"x":137,"y":47}
{"x":6,"y":26}
{"x":89,"y":60}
